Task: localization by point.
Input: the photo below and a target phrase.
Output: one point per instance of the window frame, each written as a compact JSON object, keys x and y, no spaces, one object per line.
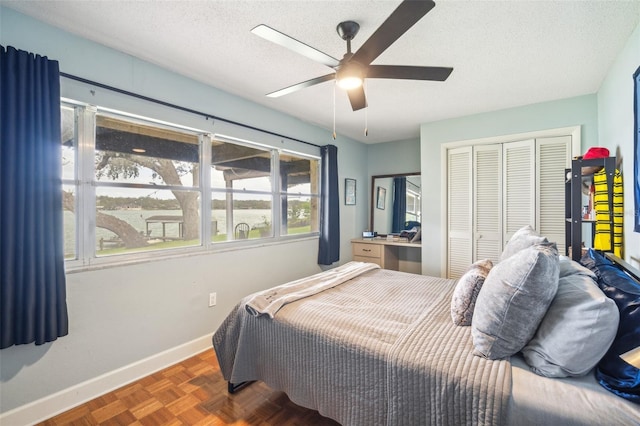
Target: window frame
{"x":85,"y":119}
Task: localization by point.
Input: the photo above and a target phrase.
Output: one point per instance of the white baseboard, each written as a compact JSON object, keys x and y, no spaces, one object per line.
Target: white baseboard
{"x":66,"y":399}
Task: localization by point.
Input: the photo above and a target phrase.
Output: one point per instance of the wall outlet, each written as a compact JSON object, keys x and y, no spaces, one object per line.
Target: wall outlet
{"x":212,"y":299}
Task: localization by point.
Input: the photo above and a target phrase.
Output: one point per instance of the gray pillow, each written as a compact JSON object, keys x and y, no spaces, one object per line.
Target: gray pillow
{"x":576,"y":332}
{"x":464,"y":296}
{"x":521,"y":239}
{"x":569,"y":267}
{"x":513,"y":300}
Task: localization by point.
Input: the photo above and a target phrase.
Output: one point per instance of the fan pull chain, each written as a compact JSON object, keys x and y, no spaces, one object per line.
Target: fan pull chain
{"x":366,"y":122}
{"x":334,"y":111}
{"x":366,"y":111}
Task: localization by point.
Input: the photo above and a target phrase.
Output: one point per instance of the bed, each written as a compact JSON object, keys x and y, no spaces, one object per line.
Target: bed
{"x":369,"y":346}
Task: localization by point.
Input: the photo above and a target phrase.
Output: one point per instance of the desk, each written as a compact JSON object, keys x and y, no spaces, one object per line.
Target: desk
{"x":395,"y":255}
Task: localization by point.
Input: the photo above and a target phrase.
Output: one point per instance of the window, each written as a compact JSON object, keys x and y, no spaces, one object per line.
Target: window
{"x":413,"y":203}
{"x":242,"y":193}
{"x":133,"y":186}
{"x":299,"y":179}
{"x":146,"y":179}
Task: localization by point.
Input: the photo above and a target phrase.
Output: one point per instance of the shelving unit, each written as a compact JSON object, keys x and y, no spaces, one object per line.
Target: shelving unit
{"x":573,"y":202}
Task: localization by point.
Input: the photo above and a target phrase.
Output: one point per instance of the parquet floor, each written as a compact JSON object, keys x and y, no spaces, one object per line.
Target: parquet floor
{"x":192,"y":393}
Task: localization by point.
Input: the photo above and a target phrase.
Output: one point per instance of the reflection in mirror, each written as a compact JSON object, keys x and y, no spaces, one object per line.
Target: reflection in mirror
{"x":395,"y":202}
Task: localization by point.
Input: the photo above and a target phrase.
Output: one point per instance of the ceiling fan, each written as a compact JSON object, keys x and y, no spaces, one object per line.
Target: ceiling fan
{"x":353,"y":68}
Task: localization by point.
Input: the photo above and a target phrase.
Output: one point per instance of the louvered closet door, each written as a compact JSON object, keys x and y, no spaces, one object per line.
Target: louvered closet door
{"x":518,"y":207}
{"x":553,"y":157}
{"x":487,"y":194}
{"x":459,"y":211}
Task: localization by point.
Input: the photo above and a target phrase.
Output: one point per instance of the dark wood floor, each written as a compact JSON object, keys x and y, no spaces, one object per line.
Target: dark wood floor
{"x":192,"y":393}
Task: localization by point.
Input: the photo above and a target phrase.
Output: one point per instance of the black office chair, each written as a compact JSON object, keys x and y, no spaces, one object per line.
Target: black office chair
{"x":242,"y":231}
{"x":411,"y":224}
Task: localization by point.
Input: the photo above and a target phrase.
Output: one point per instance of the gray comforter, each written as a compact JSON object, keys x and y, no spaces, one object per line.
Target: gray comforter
{"x":379,"y":349}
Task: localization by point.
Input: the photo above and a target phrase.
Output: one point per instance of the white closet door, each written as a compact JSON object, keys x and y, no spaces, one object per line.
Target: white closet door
{"x":487,"y":194}
{"x":459,"y":211}
{"x":518,"y":207}
{"x":553,"y":157}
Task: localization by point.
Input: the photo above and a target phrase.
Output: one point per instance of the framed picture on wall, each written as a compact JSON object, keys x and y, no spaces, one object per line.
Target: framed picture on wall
{"x":350,"y":192}
{"x":381,"y":195}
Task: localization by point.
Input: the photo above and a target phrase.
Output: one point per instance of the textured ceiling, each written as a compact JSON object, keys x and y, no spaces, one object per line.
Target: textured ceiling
{"x":504,"y":53}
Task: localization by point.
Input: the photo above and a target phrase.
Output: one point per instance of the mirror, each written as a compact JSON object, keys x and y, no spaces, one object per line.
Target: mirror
{"x":383,"y":204}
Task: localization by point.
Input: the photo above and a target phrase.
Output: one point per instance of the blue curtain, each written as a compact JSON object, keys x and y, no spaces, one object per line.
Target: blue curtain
{"x":329,"y":249}
{"x":399,"y":204}
{"x":636,"y":167}
{"x":33,"y":291}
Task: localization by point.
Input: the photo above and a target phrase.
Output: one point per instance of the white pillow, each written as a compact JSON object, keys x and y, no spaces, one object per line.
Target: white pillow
{"x":576,"y":331}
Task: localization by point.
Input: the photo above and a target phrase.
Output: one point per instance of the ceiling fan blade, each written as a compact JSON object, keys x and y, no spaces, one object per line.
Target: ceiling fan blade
{"x":409,"y":72}
{"x":404,"y":17}
{"x":290,"y":43}
{"x":357,"y":98}
{"x":302,"y":85}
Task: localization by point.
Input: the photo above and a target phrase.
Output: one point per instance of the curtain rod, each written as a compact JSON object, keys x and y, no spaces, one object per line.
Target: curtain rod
{"x":178,"y":107}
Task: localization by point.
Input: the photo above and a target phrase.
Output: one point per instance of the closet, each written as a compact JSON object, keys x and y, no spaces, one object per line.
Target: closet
{"x":495,"y":188}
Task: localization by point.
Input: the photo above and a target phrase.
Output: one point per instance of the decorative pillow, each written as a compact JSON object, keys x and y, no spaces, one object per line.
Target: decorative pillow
{"x":576,"y":331}
{"x":521,"y":239}
{"x":513,"y":300}
{"x":466,"y":292}
{"x":613,"y":372}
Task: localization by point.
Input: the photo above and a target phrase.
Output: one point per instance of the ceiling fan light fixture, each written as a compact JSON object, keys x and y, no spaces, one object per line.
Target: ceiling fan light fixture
{"x":350,"y":71}
{"x":349,"y":83}
{"x":349,"y":77}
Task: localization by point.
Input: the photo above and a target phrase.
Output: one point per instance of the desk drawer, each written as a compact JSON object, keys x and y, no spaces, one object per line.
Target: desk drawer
{"x":375,"y":260}
{"x":367,"y":250}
